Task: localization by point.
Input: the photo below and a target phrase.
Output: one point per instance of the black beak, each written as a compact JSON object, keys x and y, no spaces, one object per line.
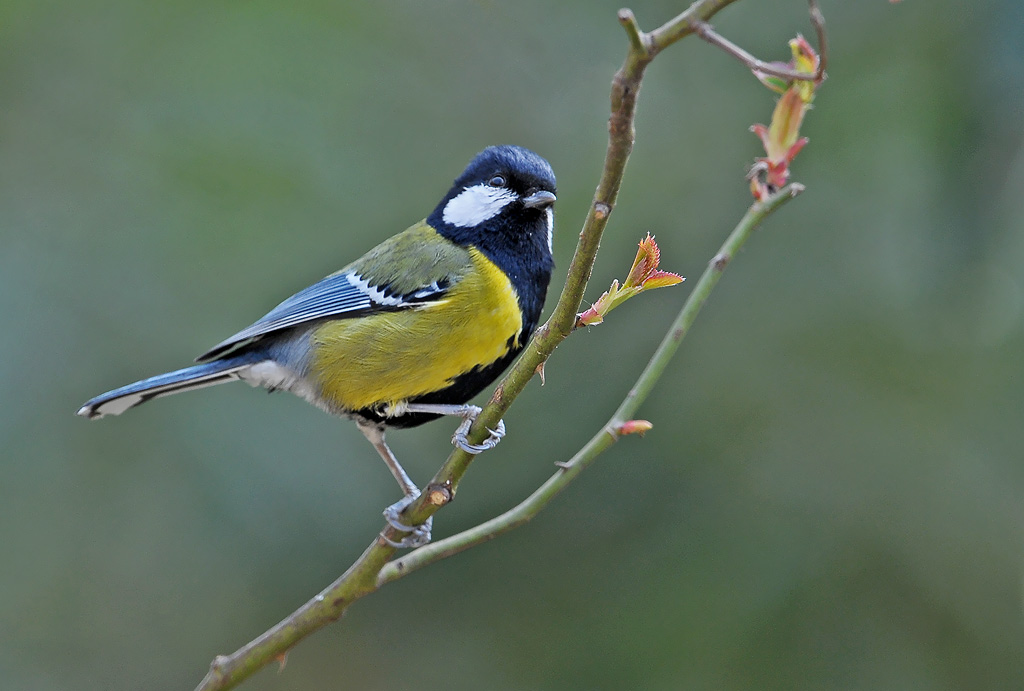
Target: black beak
{"x":539,"y":200}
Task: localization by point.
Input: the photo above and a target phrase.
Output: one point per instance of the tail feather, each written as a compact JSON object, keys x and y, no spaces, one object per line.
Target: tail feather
{"x":196,"y":377}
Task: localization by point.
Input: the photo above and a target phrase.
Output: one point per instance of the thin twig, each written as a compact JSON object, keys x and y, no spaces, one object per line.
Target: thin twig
{"x":637,"y":38}
{"x":571,"y":469}
{"x":704,"y":30}
{"x":818,"y":21}
{"x":756,"y":65}
{"x":361,"y":578}
{"x":643,"y":48}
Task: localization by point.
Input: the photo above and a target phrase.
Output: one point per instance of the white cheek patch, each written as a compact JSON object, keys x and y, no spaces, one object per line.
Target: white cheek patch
{"x":549,"y":216}
{"x":476,"y":204}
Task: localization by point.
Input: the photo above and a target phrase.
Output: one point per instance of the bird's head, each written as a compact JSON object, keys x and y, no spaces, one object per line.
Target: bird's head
{"x":505,"y":194}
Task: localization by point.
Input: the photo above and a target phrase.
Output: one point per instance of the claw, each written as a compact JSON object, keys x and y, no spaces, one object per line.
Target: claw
{"x":419,"y":535}
{"x":495,"y":435}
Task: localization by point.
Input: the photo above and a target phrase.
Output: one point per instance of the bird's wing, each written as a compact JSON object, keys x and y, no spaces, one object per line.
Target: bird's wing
{"x":410,"y":269}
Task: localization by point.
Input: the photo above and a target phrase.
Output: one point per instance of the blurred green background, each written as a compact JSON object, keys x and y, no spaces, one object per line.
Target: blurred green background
{"x":831,"y":497}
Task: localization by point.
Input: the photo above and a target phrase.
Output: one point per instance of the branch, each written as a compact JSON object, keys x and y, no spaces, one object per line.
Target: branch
{"x":818,"y":21}
{"x":368,"y":573}
{"x":643,"y":47}
{"x":610,"y":433}
{"x":757,"y":66}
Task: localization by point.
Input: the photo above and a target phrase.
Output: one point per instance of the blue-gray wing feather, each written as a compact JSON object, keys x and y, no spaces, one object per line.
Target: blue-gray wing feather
{"x":331,"y":297}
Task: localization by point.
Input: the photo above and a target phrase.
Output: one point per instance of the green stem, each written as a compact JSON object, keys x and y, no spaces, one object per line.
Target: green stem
{"x":362,"y":578}
{"x":568,"y":471}
{"x":643,"y":47}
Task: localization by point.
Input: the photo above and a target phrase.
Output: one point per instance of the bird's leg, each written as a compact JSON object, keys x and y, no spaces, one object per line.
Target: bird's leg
{"x":374,"y":433}
{"x":468,"y":414}
{"x":420,"y":534}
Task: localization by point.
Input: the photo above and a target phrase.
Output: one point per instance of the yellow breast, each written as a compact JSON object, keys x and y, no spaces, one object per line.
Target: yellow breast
{"x":385,"y":358}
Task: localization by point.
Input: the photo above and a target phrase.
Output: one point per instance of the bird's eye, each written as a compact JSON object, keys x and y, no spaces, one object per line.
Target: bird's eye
{"x":497,"y":181}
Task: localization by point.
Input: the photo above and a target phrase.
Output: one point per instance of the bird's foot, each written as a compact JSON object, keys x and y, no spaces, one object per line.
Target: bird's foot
{"x":419,"y":535}
{"x":468,"y":413}
{"x":459,"y":438}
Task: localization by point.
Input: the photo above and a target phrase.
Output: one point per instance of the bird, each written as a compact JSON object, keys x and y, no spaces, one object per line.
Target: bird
{"x":410,"y":331}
